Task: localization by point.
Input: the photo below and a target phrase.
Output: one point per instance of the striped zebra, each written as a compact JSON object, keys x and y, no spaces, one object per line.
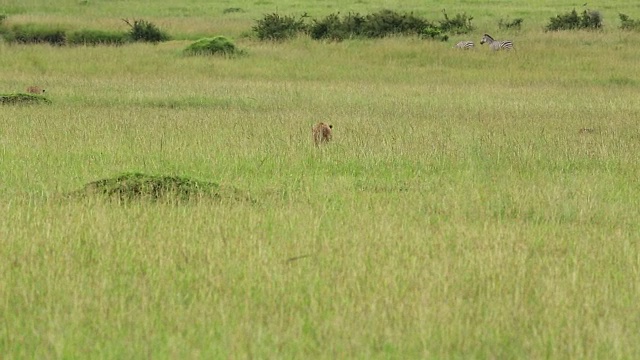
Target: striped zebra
{"x":466,"y":45}
{"x":496,"y":44}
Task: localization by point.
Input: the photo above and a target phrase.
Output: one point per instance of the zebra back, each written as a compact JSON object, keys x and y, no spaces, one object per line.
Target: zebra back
{"x":465,"y":45}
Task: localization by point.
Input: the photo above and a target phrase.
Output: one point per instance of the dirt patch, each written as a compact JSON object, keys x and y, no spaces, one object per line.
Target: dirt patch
{"x":136,"y":187}
{"x":20,"y":98}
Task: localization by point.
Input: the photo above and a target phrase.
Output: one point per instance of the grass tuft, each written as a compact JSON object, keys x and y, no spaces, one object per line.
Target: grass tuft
{"x":21,"y":98}
{"x":137,"y":186}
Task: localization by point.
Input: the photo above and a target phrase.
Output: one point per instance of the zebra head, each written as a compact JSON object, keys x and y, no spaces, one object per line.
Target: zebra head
{"x":486,"y":39}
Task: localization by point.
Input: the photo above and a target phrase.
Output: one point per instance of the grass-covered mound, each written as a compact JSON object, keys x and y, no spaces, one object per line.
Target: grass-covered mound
{"x":22,"y":98}
{"x":218,"y":45}
{"x":136,"y":186}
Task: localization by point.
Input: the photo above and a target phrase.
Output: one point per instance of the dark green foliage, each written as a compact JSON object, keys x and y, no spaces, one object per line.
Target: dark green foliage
{"x":35,"y":34}
{"x":588,"y":20}
{"x":144,"y":31}
{"x":274,"y":27}
{"x":460,"y":24}
{"x":332,"y":27}
{"x":383,"y":23}
{"x":388,"y":22}
{"x":19,"y":99}
{"x":516,"y":24}
{"x":218,"y":45}
{"x":97,"y":37}
{"x":3,"y":17}
{"x":626,"y":23}
{"x":136,"y":186}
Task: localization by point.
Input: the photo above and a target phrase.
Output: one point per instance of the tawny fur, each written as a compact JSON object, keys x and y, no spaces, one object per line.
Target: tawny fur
{"x":35,"y":90}
{"x":321,"y":133}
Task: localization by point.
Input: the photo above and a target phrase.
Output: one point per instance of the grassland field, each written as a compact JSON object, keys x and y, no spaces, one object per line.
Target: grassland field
{"x":458,"y":212}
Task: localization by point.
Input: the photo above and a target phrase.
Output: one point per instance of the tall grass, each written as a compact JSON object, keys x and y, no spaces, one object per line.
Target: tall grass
{"x":458,"y":211}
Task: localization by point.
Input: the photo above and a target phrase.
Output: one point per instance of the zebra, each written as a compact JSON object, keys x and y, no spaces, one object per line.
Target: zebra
{"x":496,"y":44}
{"x":466,"y":45}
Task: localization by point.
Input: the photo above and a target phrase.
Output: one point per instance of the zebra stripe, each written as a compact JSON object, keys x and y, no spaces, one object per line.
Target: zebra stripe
{"x":496,"y":45}
{"x":465,"y":45}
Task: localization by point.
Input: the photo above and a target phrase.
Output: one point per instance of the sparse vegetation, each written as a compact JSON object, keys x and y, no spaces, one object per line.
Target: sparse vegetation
{"x":97,"y":37}
{"x":459,"y":24}
{"x":515,"y":24}
{"x":626,"y":23}
{"x":232,"y":10}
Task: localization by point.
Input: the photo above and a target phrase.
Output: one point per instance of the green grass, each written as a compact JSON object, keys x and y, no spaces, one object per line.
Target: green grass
{"x":457,"y":213}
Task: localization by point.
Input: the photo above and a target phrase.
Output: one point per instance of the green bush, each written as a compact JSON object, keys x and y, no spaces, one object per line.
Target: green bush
{"x":434,"y":33}
{"x":97,"y":37}
{"x":626,"y":23}
{"x":332,"y":27}
{"x":35,"y":34}
{"x":589,"y":20}
{"x":388,"y":22}
{"x":218,"y":45}
{"x":516,"y":24}
{"x":353,"y":25}
{"x":145,"y":31}
{"x":278,"y":28}
{"x":460,"y":24}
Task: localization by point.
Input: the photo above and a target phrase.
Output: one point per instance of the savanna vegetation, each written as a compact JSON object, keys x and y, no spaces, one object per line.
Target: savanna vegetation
{"x":471,"y":204}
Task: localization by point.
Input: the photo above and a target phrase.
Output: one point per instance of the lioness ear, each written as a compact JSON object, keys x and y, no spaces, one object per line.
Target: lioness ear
{"x":330,"y":126}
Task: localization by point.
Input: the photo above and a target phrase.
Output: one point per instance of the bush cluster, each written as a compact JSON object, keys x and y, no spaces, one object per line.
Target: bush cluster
{"x":588,"y":20}
{"x":218,"y":45}
{"x":354,"y":25}
{"x":516,"y":24}
{"x":277,"y":28}
{"x":626,"y":23}
{"x":141,"y":30}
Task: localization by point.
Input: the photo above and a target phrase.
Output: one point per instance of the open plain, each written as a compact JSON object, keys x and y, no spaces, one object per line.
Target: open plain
{"x":471,"y":204}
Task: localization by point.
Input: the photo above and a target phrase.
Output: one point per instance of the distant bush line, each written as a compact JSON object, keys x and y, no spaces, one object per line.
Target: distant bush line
{"x":140,"y":31}
{"x":276,"y":27}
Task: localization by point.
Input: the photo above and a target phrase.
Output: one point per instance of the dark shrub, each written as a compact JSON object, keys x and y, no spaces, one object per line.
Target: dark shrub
{"x":22,"y":99}
{"x":35,"y":34}
{"x":334,"y":28}
{"x":277,"y":28}
{"x":145,"y":31}
{"x":589,"y":20}
{"x":218,"y":45}
{"x":97,"y":37}
{"x":388,"y":22}
{"x":516,"y":24}
{"x":626,"y":23}
{"x":460,"y":24}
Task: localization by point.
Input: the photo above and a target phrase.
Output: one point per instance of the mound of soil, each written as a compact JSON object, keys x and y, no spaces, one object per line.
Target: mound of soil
{"x":20,"y":98}
{"x":136,"y":186}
